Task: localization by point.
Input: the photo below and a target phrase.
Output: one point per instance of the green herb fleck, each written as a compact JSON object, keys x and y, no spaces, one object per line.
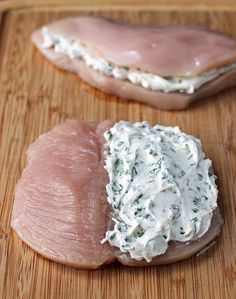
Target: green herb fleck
{"x":196,"y":200}
{"x":109,"y":135}
{"x":200,"y":176}
{"x":181,"y":174}
{"x":117,"y":188}
{"x":134,"y":171}
{"x":186,"y":148}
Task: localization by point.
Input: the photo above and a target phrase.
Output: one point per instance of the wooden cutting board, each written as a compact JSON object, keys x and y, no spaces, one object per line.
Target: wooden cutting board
{"x":35,"y":96}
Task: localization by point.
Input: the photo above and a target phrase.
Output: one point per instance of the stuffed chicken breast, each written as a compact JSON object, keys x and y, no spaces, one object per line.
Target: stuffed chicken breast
{"x":166,"y":67}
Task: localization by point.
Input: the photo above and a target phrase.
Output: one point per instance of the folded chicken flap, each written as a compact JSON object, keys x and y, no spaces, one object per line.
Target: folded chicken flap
{"x":176,"y":50}
{"x":137,"y":62}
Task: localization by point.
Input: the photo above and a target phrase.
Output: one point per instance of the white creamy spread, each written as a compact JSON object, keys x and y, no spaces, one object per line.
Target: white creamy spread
{"x":161,"y":188}
{"x":76,"y":50}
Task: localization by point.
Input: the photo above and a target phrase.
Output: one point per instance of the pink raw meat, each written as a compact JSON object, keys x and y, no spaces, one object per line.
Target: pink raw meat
{"x":177,"y":50}
{"x":196,"y":50}
{"x":60,"y":207}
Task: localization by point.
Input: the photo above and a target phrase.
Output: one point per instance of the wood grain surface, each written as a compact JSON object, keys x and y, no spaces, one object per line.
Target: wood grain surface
{"x":35,"y":96}
{"x":117,"y":4}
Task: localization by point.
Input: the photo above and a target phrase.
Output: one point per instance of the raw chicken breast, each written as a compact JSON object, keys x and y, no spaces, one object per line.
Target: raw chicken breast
{"x":60,"y":207}
{"x":196,"y":49}
{"x":147,"y":49}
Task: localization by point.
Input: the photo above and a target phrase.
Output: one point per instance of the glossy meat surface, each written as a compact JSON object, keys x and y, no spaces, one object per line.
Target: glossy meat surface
{"x":197,"y":49}
{"x":127,"y":90}
{"x":178,"y":50}
{"x":60,"y":207}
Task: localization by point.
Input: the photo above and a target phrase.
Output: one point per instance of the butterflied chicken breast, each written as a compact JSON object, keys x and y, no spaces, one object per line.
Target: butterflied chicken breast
{"x":61,"y":206}
{"x":138,"y":62}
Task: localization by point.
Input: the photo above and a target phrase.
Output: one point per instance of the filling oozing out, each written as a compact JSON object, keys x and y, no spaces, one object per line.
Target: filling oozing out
{"x":76,"y":50}
{"x":161,"y":188}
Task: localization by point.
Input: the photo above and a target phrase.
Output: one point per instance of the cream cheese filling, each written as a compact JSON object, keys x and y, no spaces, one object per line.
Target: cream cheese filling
{"x":161,"y":188}
{"x":76,"y":50}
